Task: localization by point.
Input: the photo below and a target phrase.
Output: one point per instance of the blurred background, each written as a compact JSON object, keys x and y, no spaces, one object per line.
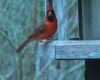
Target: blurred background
{"x":18,"y":18}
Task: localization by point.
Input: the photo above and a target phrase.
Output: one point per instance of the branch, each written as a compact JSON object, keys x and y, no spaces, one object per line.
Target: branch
{"x":9,"y":73}
{"x":72,"y":69}
{"x":6,"y":37}
{"x":43,"y":69}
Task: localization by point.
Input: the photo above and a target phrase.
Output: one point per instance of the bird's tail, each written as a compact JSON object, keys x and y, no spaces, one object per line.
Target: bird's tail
{"x":19,"y":49}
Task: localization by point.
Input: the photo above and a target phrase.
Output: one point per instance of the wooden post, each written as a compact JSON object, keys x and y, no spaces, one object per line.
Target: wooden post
{"x":91,"y":31}
{"x":62,"y":23}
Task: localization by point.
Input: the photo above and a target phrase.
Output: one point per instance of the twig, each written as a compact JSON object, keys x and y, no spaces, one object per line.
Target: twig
{"x":72,"y":69}
{"x":6,"y":37}
{"x":10,"y":72}
{"x":43,"y":69}
{"x":21,"y":67}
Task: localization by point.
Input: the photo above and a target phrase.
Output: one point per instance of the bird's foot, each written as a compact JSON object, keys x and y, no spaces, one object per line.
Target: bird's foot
{"x":43,"y":41}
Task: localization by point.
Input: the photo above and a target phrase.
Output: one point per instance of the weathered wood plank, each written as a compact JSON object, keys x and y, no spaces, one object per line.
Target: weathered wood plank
{"x":82,"y":49}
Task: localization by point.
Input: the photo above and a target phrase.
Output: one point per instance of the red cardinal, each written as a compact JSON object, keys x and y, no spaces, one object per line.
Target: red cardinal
{"x":46,"y":30}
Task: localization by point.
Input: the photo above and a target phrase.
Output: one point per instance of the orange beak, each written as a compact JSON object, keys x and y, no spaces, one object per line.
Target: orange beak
{"x":50,"y":13}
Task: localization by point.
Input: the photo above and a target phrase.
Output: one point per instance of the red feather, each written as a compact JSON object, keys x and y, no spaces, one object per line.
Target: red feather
{"x":46,"y":30}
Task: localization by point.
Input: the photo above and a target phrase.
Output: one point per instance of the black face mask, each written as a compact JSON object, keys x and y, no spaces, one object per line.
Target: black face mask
{"x":50,"y":18}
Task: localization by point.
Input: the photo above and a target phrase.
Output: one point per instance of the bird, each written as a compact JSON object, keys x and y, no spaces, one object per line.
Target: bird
{"x":45,"y":30}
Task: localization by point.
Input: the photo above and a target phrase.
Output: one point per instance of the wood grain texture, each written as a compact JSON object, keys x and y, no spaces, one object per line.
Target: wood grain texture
{"x":83,"y":49}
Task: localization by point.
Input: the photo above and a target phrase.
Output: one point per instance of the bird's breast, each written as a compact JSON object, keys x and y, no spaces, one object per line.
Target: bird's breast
{"x":51,"y":27}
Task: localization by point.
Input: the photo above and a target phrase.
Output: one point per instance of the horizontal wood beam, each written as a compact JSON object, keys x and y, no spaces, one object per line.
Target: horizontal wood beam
{"x":81,"y":49}
{"x":71,"y":49}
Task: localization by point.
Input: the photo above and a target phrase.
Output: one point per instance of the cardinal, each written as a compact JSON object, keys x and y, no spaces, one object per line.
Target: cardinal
{"x":45,"y":31}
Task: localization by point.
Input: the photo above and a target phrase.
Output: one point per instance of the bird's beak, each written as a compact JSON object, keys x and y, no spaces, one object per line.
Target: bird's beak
{"x":50,"y":13}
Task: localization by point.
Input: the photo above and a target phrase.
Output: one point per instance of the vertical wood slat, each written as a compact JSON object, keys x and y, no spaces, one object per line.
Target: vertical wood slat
{"x":62,"y":18}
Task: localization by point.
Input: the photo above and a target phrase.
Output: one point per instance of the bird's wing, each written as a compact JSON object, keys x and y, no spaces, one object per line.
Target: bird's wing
{"x":39,"y":30}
